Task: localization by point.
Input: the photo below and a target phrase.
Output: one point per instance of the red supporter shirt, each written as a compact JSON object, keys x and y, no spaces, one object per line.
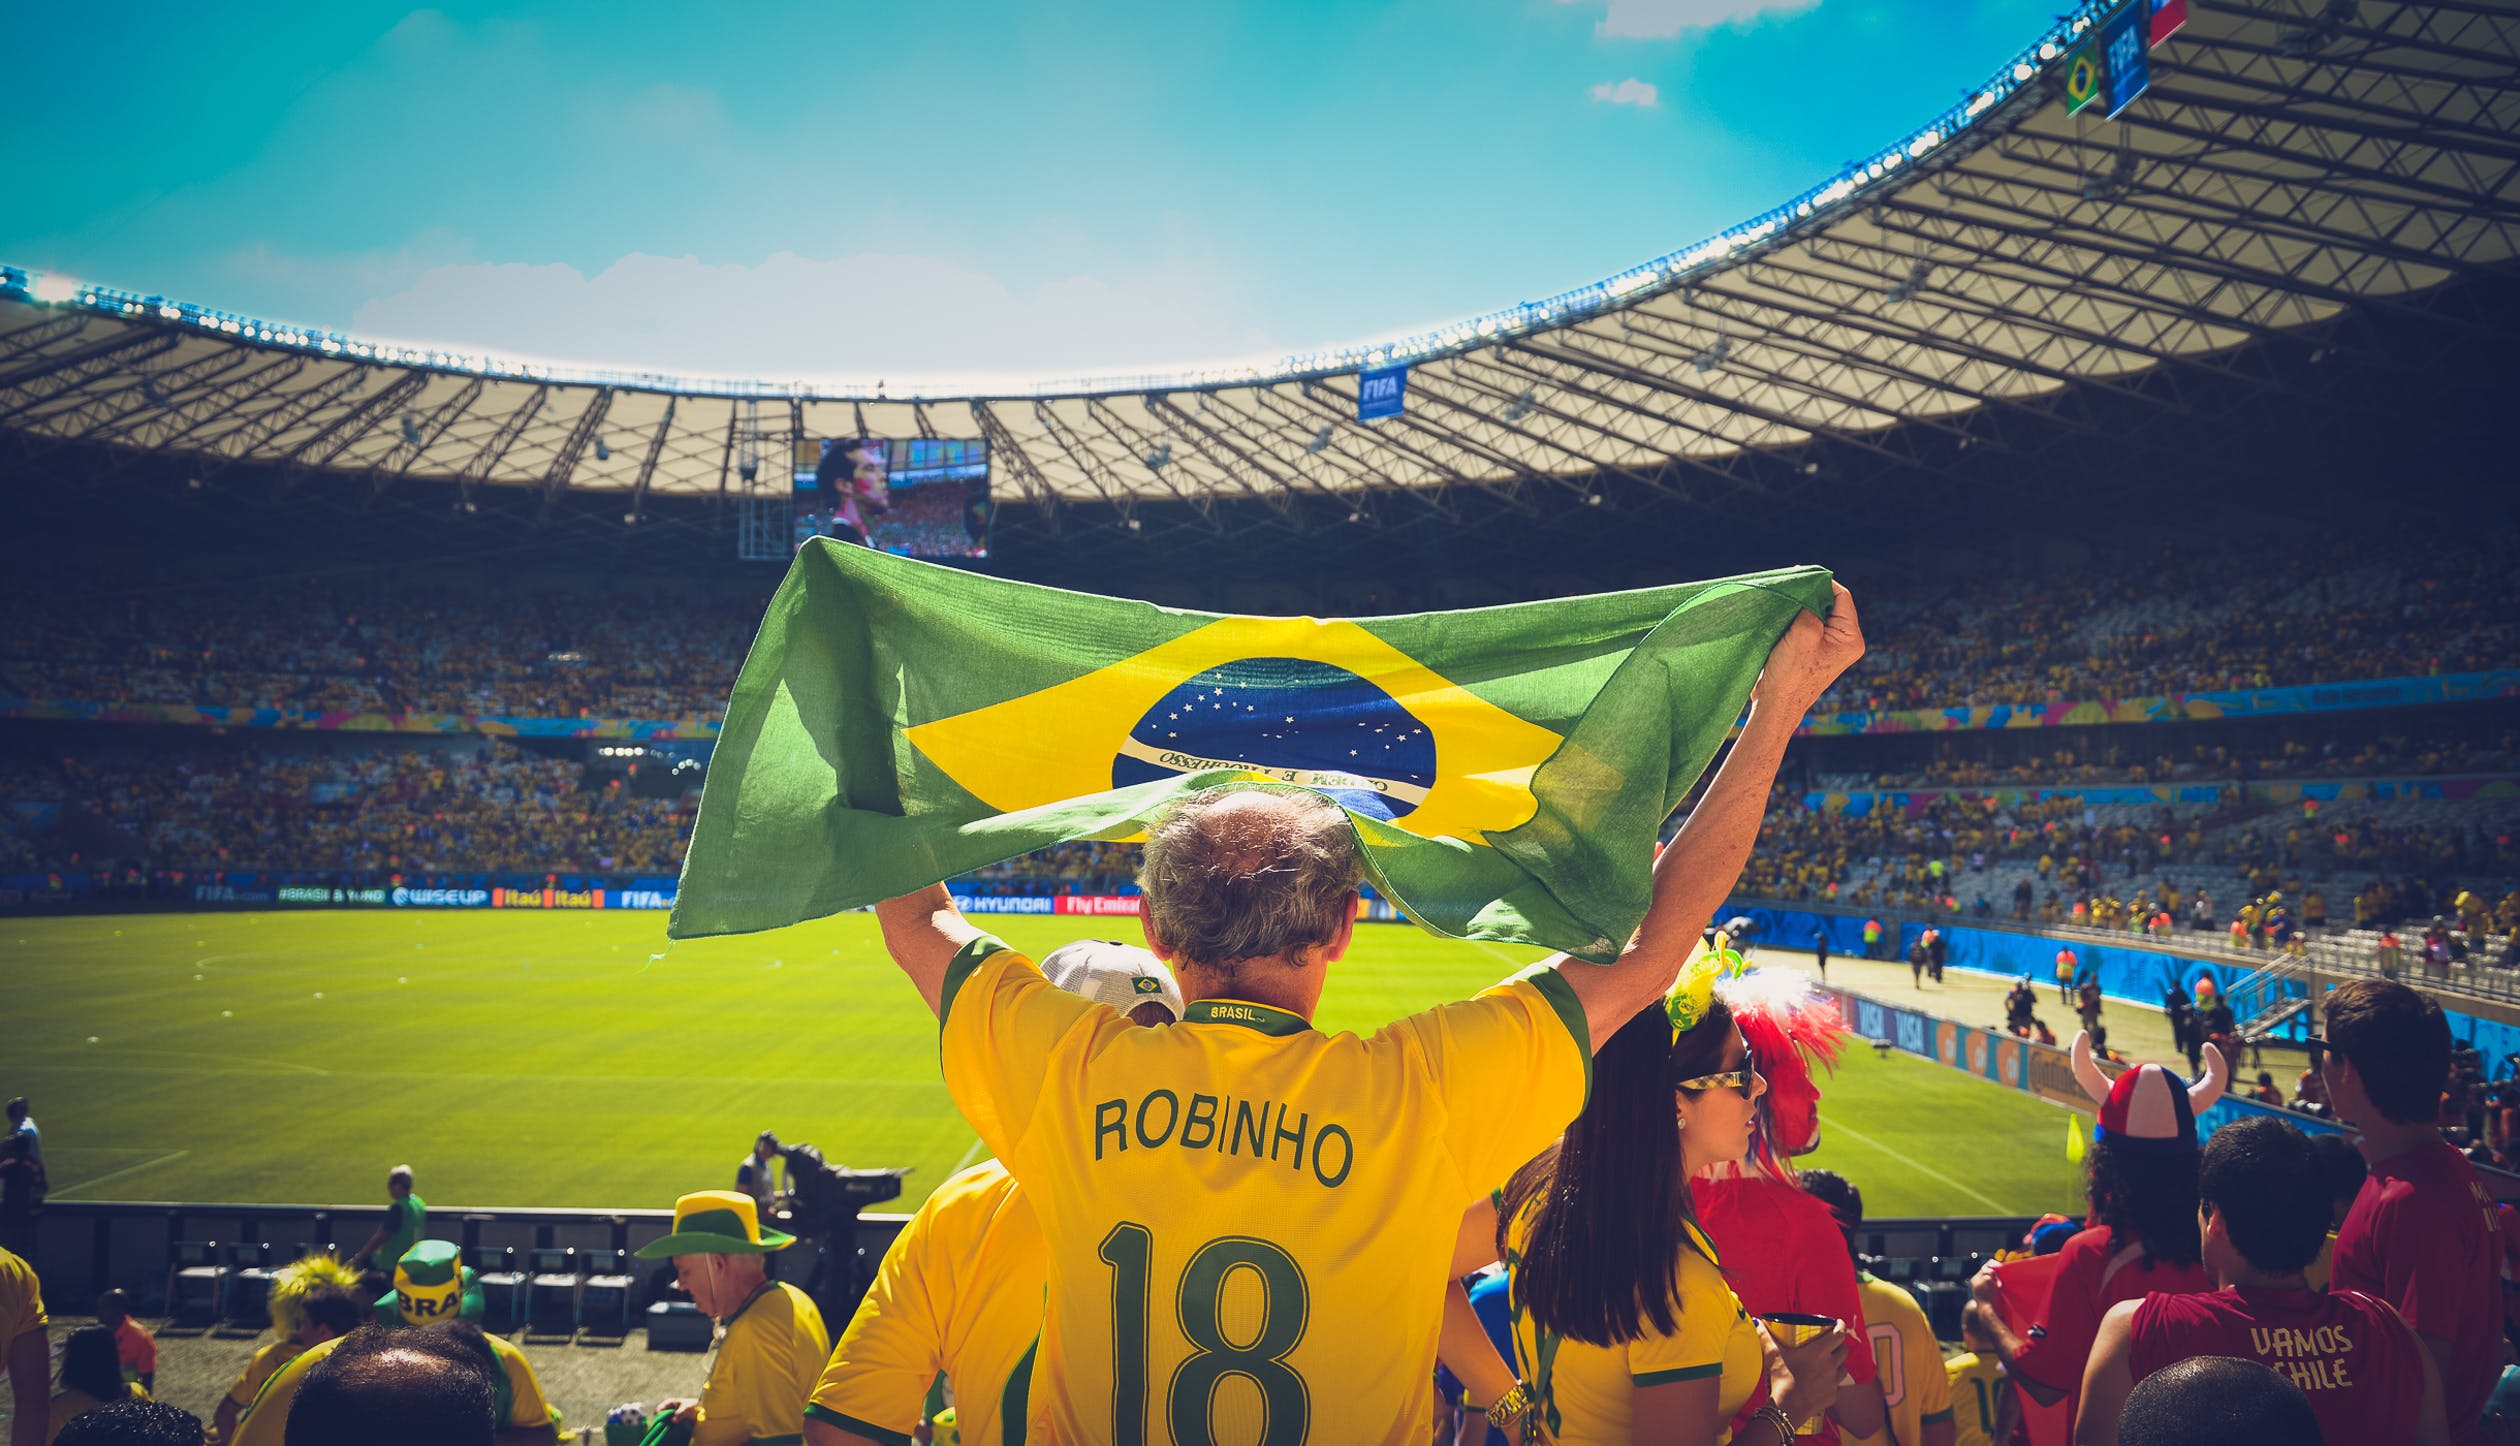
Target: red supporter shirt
{"x":2355,"y":1361}
{"x":2091,"y":1276}
{"x":2421,"y":1237}
{"x":1782,"y":1251}
{"x":136,"y":1348}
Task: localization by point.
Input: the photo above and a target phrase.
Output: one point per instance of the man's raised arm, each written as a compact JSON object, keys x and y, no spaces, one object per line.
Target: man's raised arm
{"x":1704,"y":861}
{"x":924,"y":931}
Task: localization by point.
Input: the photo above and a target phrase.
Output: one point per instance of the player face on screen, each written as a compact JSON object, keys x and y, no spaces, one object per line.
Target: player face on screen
{"x":869,"y":481}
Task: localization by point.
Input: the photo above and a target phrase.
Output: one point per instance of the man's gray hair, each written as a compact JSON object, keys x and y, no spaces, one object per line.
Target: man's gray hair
{"x":1244,"y":872}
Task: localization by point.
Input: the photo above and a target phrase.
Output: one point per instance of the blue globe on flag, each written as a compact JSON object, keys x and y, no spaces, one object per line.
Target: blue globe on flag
{"x":1295,"y":720}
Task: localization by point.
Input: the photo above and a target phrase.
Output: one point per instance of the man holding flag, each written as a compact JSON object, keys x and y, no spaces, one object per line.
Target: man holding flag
{"x":1248,"y":1223}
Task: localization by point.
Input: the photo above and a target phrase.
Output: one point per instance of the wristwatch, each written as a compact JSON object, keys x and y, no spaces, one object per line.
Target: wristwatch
{"x":1509,"y":1408}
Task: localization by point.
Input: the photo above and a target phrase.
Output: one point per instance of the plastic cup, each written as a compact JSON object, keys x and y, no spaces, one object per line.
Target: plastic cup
{"x":1792,"y":1328}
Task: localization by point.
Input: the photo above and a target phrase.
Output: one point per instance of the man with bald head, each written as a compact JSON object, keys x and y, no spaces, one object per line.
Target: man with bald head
{"x":1249,"y":1223}
{"x":383,"y":1387}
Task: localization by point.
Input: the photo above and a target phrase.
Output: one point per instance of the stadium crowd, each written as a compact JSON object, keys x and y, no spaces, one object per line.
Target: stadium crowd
{"x":2127,"y":627}
{"x":490,"y":807}
{"x":2084,"y":762}
{"x":490,"y":647}
{"x":2227,"y":618}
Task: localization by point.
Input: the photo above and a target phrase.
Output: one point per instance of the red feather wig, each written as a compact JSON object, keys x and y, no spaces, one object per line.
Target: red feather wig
{"x":1790,"y":1029}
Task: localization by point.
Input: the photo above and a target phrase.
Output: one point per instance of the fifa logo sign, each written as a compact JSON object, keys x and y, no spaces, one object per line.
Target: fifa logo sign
{"x":1381,"y":392}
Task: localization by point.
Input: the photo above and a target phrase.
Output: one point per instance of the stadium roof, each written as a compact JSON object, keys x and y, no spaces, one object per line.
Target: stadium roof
{"x":2292,"y":162}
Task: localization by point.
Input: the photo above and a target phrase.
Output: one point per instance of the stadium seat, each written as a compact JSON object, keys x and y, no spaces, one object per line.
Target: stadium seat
{"x":247,"y":1306}
{"x":551,"y":1284}
{"x":678,"y":1325}
{"x":502,"y":1287}
{"x":1942,"y":1288}
{"x":604,"y":1299}
{"x":195,"y":1284}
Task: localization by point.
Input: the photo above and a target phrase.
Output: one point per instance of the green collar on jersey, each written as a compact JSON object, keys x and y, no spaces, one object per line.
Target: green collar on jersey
{"x":1265,"y":1018}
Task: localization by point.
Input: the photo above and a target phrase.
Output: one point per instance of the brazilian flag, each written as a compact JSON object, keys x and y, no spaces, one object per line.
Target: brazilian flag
{"x":1506,"y":769}
{"x":2085,"y":74}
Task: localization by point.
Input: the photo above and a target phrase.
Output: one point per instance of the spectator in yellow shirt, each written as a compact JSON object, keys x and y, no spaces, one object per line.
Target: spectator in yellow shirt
{"x":305,"y":1315}
{"x":1985,"y":1411}
{"x":1913,"y":1382}
{"x":775,"y":1342}
{"x":24,"y":1352}
{"x":960,"y":1290}
{"x":91,"y":1375}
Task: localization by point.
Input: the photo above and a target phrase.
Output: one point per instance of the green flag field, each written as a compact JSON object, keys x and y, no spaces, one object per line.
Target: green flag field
{"x":576,"y":1060}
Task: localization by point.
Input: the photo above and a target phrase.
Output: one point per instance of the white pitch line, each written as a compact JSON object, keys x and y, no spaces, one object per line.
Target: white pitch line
{"x":967,"y":1157}
{"x":1835,"y":1127}
{"x":125,"y":1170}
{"x":1513,"y":965}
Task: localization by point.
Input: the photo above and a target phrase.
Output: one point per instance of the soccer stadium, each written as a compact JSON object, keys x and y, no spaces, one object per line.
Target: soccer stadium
{"x":523,"y":880}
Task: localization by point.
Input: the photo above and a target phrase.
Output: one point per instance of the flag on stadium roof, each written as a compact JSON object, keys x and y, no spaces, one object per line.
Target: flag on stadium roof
{"x":1506,"y":769}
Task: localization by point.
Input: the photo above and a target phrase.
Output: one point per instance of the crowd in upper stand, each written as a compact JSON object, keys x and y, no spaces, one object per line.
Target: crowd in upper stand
{"x":2132,"y":628}
{"x":2385,"y":755}
{"x":598,"y":648}
{"x":508,"y":650}
{"x":487,"y":808}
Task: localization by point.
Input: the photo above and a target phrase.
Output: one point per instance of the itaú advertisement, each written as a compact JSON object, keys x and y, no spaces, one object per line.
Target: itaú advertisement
{"x":548,"y":899}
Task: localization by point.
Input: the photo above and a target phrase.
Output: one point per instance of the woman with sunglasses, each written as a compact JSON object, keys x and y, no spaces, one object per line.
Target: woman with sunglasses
{"x":1624,"y":1329}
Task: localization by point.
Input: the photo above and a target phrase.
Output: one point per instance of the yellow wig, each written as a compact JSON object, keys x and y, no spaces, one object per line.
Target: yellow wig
{"x":295,"y":1281}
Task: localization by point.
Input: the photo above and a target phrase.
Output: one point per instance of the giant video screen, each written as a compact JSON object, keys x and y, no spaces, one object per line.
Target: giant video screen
{"x":913,"y":497}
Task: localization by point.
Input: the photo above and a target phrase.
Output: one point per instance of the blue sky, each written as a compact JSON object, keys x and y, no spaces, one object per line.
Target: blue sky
{"x":848,"y":191}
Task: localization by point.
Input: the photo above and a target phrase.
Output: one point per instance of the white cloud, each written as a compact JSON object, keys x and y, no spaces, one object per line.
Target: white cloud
{"x":1630,"y":91}
{"x":909,"y":319}
{"x":1663,"y":19}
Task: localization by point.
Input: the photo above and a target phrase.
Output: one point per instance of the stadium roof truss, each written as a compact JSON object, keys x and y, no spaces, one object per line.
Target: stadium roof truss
{"x":2293,"y":160}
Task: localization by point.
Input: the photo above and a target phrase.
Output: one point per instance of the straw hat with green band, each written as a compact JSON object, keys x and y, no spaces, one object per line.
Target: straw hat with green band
{"x":431,"y":1284}
{"x":716,"y":1222}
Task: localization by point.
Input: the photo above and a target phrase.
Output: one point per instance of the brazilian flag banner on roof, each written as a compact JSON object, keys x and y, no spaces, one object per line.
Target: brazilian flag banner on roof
{"x":1506,"y":769}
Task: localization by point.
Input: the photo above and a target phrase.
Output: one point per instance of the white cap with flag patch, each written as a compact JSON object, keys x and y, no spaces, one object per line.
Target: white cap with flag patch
{"x":1107,"y":971}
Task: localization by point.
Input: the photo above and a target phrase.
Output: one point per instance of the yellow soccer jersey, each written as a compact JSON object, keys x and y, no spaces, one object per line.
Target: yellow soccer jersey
{"x":960,"y":1291}
{"x":259,"y":1368}
{"x":69,"y":1405}
{"x":1977,"y":1382}
{"x":765,"y":1370}
{"x":267,"y":1420}
{"x":520,"y":1396}
{"x":21,"y":1303}
{"x":1911,"y":1360}
{"x":1248,"y":1221}
{"x":1586,"y":1394}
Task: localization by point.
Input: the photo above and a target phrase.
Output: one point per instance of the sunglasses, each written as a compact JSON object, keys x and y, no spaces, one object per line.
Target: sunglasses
{"x":2318,"y":1047}
{"x":1744,"y":1079}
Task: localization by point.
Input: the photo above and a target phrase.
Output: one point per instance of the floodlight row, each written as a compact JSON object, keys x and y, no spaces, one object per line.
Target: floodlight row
{"x":1664,"y":273}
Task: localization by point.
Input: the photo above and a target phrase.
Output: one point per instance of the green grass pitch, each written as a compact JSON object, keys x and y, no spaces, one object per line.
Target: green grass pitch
{"x":575,"y":1060}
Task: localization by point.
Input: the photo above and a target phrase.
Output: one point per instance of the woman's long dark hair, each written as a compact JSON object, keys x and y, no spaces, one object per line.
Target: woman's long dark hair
{"x":2147,"y":1198}
{"x":90,"y":1363}
{"x":1610,"y":1211}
